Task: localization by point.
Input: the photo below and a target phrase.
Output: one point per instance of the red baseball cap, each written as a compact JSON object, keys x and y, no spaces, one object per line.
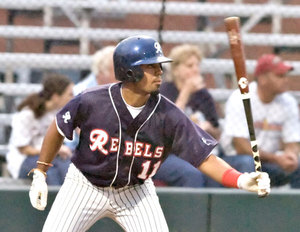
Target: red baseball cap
{"x":271,"y":63}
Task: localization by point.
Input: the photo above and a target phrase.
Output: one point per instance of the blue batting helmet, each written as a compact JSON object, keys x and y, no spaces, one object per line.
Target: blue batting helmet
{"x":130,"y":53}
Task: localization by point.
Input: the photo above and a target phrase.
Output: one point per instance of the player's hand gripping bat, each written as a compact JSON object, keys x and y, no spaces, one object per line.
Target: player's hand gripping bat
{"x":237,"y":53}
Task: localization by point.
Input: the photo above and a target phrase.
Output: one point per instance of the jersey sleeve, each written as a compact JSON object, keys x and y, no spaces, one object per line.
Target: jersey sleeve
{"x":190,"y":142}
{"x":70,"y":117}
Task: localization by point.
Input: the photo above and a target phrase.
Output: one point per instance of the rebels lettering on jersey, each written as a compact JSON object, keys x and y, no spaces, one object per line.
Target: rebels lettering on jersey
{"x":100,"y":138}
{"x":115,"y":149}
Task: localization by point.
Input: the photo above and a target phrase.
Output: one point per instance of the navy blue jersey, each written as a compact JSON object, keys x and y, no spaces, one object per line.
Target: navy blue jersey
{"x":117,"y":150}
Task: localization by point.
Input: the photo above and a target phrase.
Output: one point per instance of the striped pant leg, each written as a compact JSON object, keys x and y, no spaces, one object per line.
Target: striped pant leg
{"x":138,"y":209}
{"x":77,"y":206}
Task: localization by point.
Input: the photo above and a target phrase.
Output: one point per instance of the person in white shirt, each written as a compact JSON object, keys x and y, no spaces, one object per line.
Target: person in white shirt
{"x":29,"y":126}
{"x":276,"y":121}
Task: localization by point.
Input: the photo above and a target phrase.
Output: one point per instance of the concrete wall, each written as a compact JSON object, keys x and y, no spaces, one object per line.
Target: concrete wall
{"x":185,"y":210}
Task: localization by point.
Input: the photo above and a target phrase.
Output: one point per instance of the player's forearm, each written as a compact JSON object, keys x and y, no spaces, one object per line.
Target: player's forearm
{"x":214,"y":167}
{"x":51,"y":145}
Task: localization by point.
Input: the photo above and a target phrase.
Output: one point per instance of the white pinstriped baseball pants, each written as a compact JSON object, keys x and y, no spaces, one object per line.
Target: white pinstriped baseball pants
{"x":79,"y":204}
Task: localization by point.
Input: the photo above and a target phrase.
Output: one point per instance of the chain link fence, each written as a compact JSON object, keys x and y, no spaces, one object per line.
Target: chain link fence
{"x":63,"y":34}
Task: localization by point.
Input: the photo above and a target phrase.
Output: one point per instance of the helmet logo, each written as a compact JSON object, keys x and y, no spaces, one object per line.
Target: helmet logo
{"x":157,"y":47}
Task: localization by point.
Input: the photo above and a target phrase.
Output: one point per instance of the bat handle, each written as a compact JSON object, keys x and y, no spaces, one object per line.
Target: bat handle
{"x":257,"y":164}
{"x":256,"y":156}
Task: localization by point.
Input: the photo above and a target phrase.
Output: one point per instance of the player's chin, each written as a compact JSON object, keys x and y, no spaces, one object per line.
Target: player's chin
{"x":156,"y":90}
{"x":154,"y":93}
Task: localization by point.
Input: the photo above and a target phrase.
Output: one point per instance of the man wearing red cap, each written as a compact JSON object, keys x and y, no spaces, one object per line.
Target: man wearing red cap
{"x":276,"y":121}
{"x":270,"y":63}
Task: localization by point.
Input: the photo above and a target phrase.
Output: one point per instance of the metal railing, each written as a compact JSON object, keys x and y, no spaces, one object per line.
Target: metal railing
{"x":154,"y":7}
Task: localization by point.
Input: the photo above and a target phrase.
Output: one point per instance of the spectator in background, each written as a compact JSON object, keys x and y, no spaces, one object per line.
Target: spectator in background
{"x":29,"y":126}
{"x":187,"y":90}
{"x":276,"y":122}
{"x":102,"y":72}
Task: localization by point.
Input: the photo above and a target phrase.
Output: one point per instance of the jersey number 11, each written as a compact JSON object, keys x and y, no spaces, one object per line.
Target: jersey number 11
{"x":146,"y":166}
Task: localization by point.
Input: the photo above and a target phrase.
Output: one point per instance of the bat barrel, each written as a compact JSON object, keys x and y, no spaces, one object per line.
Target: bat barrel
{"x":232,"y":25}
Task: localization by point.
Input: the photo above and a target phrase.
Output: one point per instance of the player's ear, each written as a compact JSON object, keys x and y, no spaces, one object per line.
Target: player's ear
{"x":129,"y":74}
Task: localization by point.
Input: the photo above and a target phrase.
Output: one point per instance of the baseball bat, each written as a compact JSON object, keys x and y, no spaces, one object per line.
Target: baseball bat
{"x":232,"y":25}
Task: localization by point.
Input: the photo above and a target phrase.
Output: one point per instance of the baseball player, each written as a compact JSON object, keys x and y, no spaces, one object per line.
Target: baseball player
{"x":127,"y":131}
